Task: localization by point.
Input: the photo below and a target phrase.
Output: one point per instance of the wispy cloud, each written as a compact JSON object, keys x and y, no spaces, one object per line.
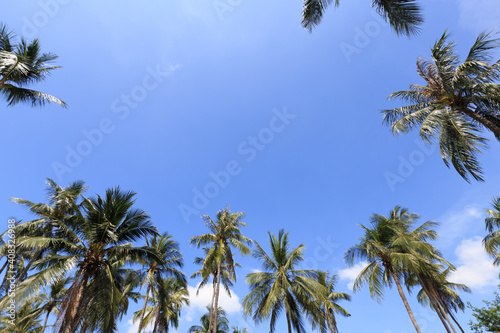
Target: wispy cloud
{"x":474,"y":267}
{"x":459,"y":223}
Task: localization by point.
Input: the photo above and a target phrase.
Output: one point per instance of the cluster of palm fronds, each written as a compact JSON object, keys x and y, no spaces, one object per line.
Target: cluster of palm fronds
{"x":22,"y":64}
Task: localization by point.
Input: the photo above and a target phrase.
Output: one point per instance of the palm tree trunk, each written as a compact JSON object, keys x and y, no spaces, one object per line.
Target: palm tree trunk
{"x":3,"y":267}
{"x":210,"y":320}
{"x":332,"y":323}
{"x":289,"y":323}
{"x":144,"y":308}
{"x":436,"y":308}
{"x":456,"y":322}
{"x":45,"y":322}
{"x":216,"y":305}
{"x":485,"y":122}
{"x":72,"y":322}
{"x":405,"y":301}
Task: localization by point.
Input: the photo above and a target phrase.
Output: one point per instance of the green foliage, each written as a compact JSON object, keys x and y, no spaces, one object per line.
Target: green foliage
{"x":404,"y":16}
{"x":22,"y":64}
{"x":458,"y":101}
{"x":487,"y":319}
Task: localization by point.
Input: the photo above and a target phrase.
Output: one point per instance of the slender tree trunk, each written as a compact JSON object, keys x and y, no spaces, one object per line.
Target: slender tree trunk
{"x":45,"y":322}
{"x":289,"y":323}
{"x":72,"y":322}
{"x":332,"y":322}
{"x":437,"y":308}
{"x":456,"y":322}
{"x":405,"y":301}
{"x":144,"y":308}
{"x":480,"y":119}
{"x":4,"y":265}
{"x":211,"y":316}
{"x":216,"y":305}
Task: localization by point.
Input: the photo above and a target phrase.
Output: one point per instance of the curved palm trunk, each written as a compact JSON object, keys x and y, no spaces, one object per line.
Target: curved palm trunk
{"x":73,"y":315}
{"x":216,"y":305}
{"x":332,"y":323}
{"x":405,"y":301}
{"x":436,"y":307}
{"x":28,"y":266}
{"x":485,"y":122}
{"x":144,"y":308}
{"x":45,"y":322}
{"x":456,"y":322}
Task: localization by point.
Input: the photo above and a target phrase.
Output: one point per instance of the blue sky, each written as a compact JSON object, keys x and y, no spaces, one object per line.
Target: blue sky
{"x":166,"y":97}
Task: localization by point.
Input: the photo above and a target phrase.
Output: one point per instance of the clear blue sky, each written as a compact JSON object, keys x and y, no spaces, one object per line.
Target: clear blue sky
{"x":165,"y":95}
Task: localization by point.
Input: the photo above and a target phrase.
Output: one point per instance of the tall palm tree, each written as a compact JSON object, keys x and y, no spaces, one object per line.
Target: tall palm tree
{"x":280,"y":286}
{"x":22,"y":64}
{"x":63,"y":204}
{"x":492,"y":241}
{"x":99,"y":243}
{"x":392,"y":251}
{"x":404,"y":16}
{"x":459,"y":101}
{"x":224,"y":234}
{"x":162,"y":260}
{"x":222,"y":325}
{"x":165,"y":305}
{"x":326,"y":301}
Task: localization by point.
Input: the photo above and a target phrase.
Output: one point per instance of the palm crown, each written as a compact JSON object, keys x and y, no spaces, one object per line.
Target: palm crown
{"x":457,"y":102}
{"x":23,"y":64}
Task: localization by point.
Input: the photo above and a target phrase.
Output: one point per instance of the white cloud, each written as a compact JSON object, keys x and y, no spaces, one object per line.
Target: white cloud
{"x":475,"y":268}
{"x":459,"y":223}
{"x":479,"y":15}
{"x":350,"y":274}
{"x":198,"y":303}
{"x":133,"y":327}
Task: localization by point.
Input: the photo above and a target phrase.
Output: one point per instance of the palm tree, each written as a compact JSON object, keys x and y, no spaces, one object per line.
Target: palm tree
{"x":326,"y":301}
{"x":222,"y":325}
{"x":403,"y":15}
{"x":238,"y":330}
{"x":458,"y":101}
{"x":26,"y":319}
{"x":98,"y":243}
{"x":392,"y":251}
{"x":163,"y":258}
{"x":166,"y":304}
{"x":225,"y":233}
{"x":63,"y":203}
{"x":280,"y":286}
{"x":492,"y":241}
{"x":22,"y":64}
{"x":440,"y":293}
{"x":51,"y":301}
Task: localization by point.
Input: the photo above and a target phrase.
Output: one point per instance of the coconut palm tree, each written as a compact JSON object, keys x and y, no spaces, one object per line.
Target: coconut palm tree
{"x":391,"y":250}
{"x":326,"y":301}
{"x":162,"y":260}
{"x":26,"y":319}
{"x":224,"y":234}
{"x":404,"y":16}
{"x":22,"y":64}
{"x":281,"y":286}
{"x":95,"y":247}
{"x":63,"y":204}
{"x":458,"y":102}
{"x":165,"y":305}
{"x":222,"y":325}
{"x":439,"y":293}
{"x":238,"y":330}
{"x":50,"y":302}
{"x":492,"y":241}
